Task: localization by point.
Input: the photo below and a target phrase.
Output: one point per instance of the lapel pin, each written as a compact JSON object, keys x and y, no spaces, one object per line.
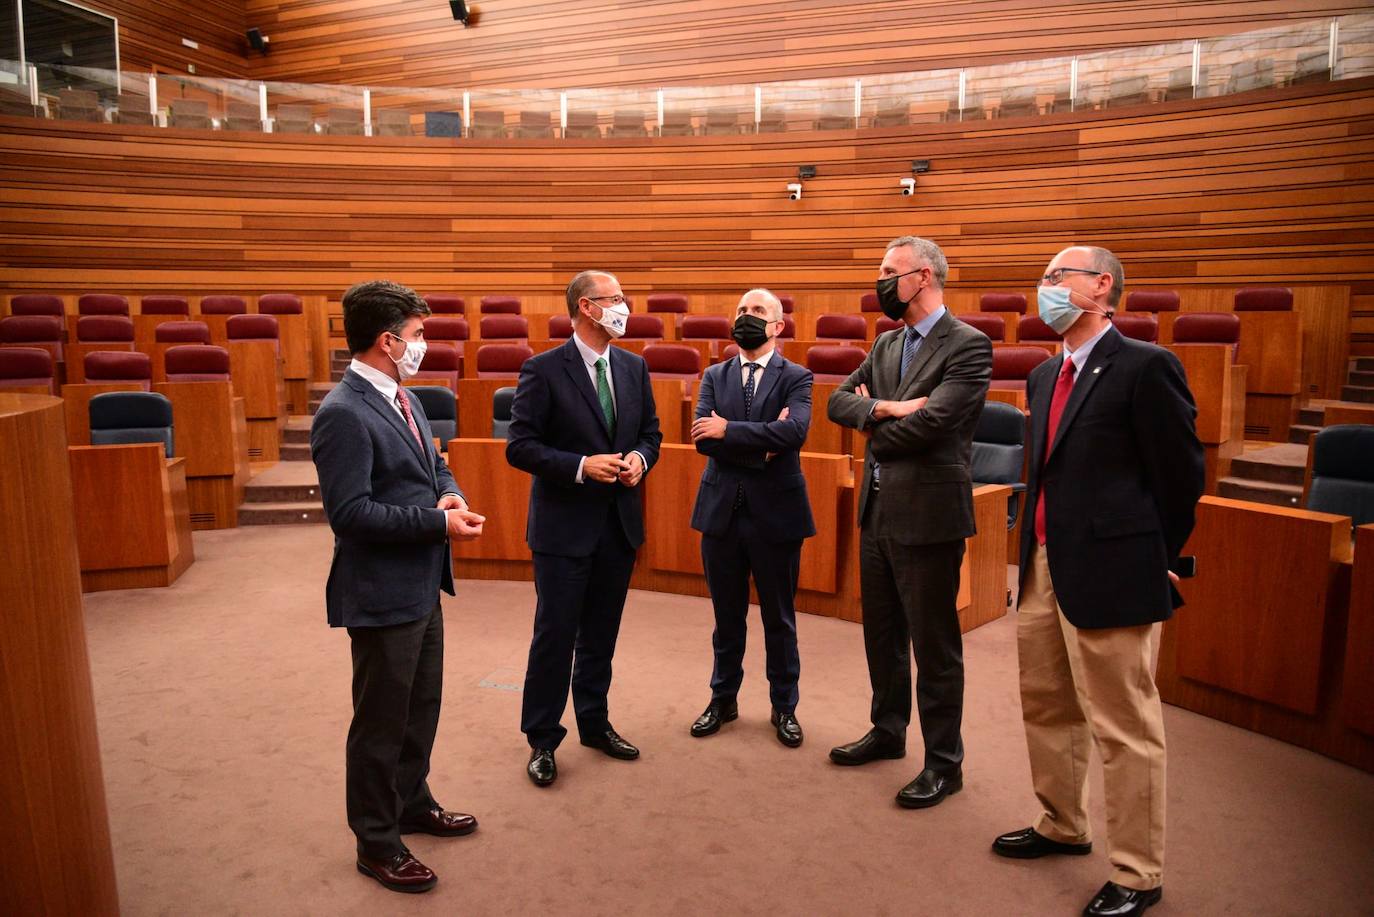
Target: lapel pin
{"x":1096,"y":370}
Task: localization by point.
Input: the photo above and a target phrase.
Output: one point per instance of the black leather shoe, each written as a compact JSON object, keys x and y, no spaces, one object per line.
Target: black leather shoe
{"x":873,"y":746}
{"x":612,"y":744}
{"x":1027,"y":845}
{"x":400,"y":873}
{"x":789,"y":730}
{"x":441,"y":823}
{"x":1118,"y":901}
{"x":543,"y":770}
{"x":929,"y":788}
{"x":716,"y":713}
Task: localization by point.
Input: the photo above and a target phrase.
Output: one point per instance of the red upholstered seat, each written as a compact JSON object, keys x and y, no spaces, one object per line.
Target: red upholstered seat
{"x":164,"y":305}
{"x":280,"y":304}
{"x":252,"y":328}
{"x":445,"y":304}
{"x":1264,"y":299}
{"x":729,"y":352}
{"x":1014,"y":364}
{"x":706,"y":327}
{"x":641,"y":327}
{"x":496,"y":327}
{"x":31,"y":329}
{"x":869,"y":303}
{"x":1152,"y":301}
{"x":102,"y":304}
{"x":222,"y":305}
{"x":833,"y":362}
{"x":560,"y":326}
{"x":1032,"y":328}
{"x":446,"y":328}
{"x":1002,"y":302}
{"x":885,"y":324}
{"x":25,"y":366}
{"x":994,"y":326}
{"x":842,"y":327}
{"x":667,"y":302}
{"x":500,"y":305}
{"x":789,"y":327}
{"x":496,"y":361}
{"x":1140,"y":327}
{"x":182,"y":333}
{"x":36,"y":304}
{"x":672,"y":361}
{"x":788,"y":305}
{"x":118,"y":366}
{"x":1207,"y":328}
{"x":443,"y":362}
{"x":197,"y":363}
{"x":105,"y":328}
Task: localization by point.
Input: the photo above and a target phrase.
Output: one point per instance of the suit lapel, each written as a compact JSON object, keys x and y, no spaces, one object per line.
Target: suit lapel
{"x":762,"y":386}
{"x":933,"y":342}
{"x":730,"y":391}
{"x":577,"y":371}
{"x":391,"y":414}
{"x":626,"y":394}
{"x":889,"y":364}
{"x":1040,"y":417}
{"x":1099,"y":361}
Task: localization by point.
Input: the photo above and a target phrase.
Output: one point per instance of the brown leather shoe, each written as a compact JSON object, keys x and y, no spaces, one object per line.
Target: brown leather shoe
{"x":400,"y":873}
{"x":441,"y":823}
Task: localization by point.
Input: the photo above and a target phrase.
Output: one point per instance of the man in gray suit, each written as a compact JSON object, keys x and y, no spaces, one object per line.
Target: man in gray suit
{"x":916,"y":398}
{"x":393,"y":506}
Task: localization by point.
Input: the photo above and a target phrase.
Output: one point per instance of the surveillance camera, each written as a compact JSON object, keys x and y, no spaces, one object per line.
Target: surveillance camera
{"x":908,"y":186}
{"x":794,"y":191}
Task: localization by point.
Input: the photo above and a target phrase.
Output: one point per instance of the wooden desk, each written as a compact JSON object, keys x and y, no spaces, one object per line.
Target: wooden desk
{"x":824,"y":434}
{"x":210,"y":430}
{"x":74,"y":356}
{"x":135,"y":526}
{"x":475,"y":412}
{"x":1016,"y":397}
{"x":1357,"y":690}
{"x":295,"y":355}
{"x":676,"y":407}
{"x":145,"y":328}
{"x":502,"y":494}
{"x":51,"y":788}
{"x":255,"y":368}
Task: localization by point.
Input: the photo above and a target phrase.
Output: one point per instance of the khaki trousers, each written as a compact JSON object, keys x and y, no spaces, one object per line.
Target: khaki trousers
{"x":1092,"y":685}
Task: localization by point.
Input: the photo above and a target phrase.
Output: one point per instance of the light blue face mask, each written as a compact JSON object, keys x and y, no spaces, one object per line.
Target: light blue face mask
{"x":1056,"y":310}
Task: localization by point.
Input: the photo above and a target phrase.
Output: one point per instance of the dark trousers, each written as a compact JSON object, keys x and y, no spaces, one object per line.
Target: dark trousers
{"x":730,"y":560}
{"x":576,"y":623}
{"x":398,"y":680}
{"x":910,"y":599}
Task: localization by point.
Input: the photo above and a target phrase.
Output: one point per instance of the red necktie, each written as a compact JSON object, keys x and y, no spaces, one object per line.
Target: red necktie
{"x":404,"y":401}
{"x":1057,"y":402}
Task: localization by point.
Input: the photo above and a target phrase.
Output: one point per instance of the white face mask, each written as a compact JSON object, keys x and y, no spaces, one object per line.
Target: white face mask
{"x":614,"y":319}
{"x":409,"y":364}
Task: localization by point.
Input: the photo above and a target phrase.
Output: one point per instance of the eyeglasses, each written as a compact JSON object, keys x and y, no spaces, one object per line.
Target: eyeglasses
{"x":616,"y":300}
{"x":1056,"y":276}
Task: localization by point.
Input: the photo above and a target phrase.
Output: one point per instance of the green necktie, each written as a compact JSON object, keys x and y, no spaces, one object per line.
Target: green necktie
{"x":603,"y":394}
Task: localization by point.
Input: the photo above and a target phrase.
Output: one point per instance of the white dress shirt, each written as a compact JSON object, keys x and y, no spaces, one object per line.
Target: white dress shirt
{"x":589,"y":357}
{"x":1080,"y":356}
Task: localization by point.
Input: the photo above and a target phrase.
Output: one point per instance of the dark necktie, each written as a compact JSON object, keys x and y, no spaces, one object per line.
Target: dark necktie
{"x":1062,"y":388}
{"x":748,"y":403}
{"x":603,"y":395}
{"x":403,"y":400}
{"x":909,"y":347}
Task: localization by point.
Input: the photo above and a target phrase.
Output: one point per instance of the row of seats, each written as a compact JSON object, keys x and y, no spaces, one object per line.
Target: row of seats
{"x":34,"y":368}
{"x":112,"y":304}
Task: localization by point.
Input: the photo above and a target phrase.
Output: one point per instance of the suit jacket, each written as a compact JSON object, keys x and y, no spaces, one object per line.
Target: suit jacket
{"x":775,"y":487}
{"x":556,"y":420}
{"x":380,"y":487}
{"x":1120,"y":485}
{"x":925,"y":456}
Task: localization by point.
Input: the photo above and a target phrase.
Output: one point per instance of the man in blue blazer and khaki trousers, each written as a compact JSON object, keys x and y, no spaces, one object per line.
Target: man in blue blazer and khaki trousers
{"x":583,"y":424}
{"x":752,"y":510}
{"x":393,"y":506}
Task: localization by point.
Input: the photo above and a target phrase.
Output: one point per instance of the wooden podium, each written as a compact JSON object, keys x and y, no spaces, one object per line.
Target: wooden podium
{"x":58,"y":858}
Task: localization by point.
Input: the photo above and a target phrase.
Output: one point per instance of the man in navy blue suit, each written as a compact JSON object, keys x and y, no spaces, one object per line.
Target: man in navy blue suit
{"x":752,"y":510}
{"x":583,"y":424}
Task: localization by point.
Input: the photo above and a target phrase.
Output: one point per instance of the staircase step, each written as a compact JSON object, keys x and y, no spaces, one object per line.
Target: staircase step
{"x":1363,"y":364}
{"x":1283,"y":464}
{"x":1253,"y":491}
{"x":281,"y":514}
{"x":1310,"y":416}
{"x":297,"y":430}
{"x":336,"y":375}
{"x":1360,"y":393}
{"x":1302,"y":433}
{"x":1361,"y":378}
{"x":293,"y":452}
{"x":285,"y":482}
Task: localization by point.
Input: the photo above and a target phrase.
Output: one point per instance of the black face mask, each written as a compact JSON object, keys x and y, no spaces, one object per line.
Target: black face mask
{"x":889,"y":301}
{"x":750,"y":332}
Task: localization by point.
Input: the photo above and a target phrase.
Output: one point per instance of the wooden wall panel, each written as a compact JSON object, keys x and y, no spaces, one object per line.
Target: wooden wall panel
{"x":150,"y":34}
{"x":581,"y":43}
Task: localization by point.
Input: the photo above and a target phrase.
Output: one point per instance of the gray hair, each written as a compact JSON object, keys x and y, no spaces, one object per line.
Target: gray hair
{"x":927,"y":254}
{"x":1103,"y":261}
{"x":579,"y":286}
{"x":770,"y":297}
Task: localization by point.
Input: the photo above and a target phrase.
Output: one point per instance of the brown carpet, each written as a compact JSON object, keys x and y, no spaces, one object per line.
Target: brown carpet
{"x":223,"y":704}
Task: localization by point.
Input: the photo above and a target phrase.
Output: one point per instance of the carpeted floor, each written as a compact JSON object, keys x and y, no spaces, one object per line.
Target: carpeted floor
{"x":223,"y":704}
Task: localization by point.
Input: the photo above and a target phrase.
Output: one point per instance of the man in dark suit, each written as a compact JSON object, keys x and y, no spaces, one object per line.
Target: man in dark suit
{"x":916,"y":398}
{"x":1115,"y":473}
{"x":752,"y":511}
{"x":393,"y":506}
{"x":583,"y":424}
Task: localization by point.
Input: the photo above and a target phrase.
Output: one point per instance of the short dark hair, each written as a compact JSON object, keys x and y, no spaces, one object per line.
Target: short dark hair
{"x":579,"y":286}
{"x":375,"y":306}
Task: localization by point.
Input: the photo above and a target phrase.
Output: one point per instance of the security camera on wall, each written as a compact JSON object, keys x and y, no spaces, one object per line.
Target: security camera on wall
{"x":908,"y":186}
{"x":794,"y":191}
